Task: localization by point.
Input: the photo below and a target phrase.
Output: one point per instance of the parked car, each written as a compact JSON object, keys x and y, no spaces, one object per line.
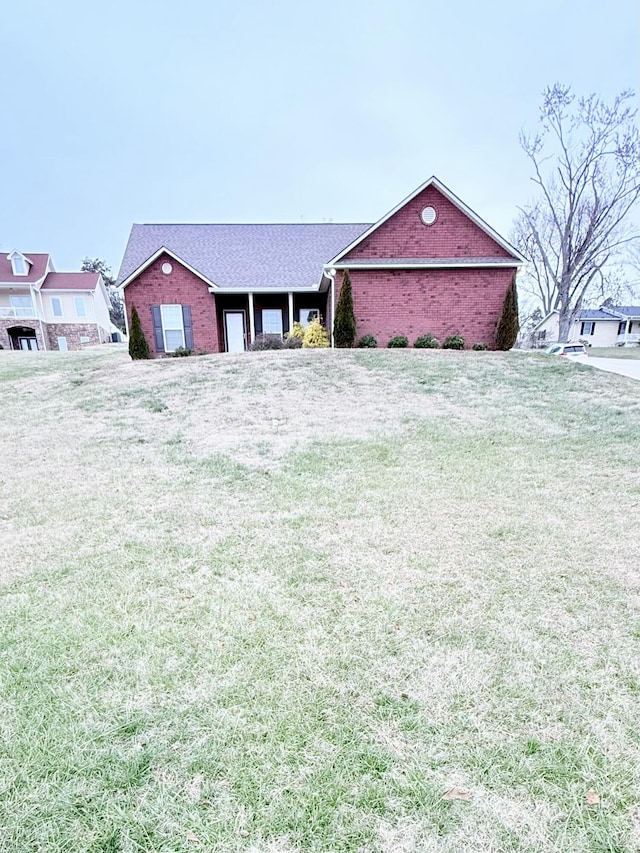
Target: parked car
{"x":572,"y":349}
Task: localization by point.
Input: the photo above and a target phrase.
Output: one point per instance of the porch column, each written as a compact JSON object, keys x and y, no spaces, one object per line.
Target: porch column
{"x":290,"y":311}
{"x":252,"y":320}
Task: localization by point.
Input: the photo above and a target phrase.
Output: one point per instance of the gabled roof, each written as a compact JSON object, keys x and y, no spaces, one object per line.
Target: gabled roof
{"x":624,"y":311}
{"x":71,"y":281}
{"x":286,"y":256}
{"x":434,"y":182}
{"x":37,"y":270}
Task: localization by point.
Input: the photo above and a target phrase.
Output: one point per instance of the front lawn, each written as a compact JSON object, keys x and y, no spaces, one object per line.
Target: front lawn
{"x":615,"y":352}
{"x":318,"y":601}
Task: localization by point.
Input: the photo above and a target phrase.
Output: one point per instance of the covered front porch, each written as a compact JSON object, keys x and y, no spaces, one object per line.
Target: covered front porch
{"x":242,"y":317}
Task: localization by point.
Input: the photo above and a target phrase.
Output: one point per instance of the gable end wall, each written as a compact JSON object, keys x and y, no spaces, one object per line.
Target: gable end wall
{"x":404,"y":235}
{"x":181,"y":286}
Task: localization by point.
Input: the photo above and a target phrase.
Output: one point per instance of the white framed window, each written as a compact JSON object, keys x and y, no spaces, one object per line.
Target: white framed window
{"x":272,"y":321}
{"x":172,"y":327}
{"x":56,"y":306}
{"x":84,"y":339}
{"x":22,"y":305}
{"x":307,"y":315}
{"x":18,"y":265}
{"x":588,"y":328}
{"x":81,"y":308}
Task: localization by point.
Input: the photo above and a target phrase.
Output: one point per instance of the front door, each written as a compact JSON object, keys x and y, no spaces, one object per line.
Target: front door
{"x":234,"y":330}
{"x":27,"y":343}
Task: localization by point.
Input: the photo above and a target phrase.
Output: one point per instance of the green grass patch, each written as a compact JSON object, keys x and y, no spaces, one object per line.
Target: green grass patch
{"x":287,"y":601}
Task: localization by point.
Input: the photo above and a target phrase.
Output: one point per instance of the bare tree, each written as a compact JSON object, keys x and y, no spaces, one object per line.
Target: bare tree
{"x":116,"y":305}
{"x":586,"y":164}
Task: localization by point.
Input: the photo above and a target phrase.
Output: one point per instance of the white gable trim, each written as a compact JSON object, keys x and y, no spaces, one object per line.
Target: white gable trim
{"x":164,"y":251}
{"x":381,"y":265}
{"x":446,"y":192}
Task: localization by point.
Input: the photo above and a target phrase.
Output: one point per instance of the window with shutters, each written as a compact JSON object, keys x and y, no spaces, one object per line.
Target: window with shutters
{"x":588,"y":328}
{"x":172,"y":327}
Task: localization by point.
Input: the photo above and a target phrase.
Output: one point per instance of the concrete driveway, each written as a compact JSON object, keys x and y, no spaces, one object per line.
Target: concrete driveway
{"x":624,"y":366}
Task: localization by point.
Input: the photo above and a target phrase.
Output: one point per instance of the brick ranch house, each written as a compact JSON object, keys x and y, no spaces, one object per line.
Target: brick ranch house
{"x":429,"y":265}
{"x":41,"y":309}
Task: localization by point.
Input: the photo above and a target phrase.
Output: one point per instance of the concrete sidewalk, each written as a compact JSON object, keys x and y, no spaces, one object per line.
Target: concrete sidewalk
{"x":624,"y":366}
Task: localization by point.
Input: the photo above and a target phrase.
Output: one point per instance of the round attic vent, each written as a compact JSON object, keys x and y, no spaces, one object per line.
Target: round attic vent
{"x":429,"y":215}
{"x":167,"y":269}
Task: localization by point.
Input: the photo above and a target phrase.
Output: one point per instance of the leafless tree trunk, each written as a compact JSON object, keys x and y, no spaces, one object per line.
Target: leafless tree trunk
{"x":586,"y":164}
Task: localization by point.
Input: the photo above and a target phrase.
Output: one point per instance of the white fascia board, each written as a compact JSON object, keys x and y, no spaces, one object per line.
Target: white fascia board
{"x":446,"y":192}
{"x":164,"y":251}
{"x":284,"y":290}
{"x":445,"y":265}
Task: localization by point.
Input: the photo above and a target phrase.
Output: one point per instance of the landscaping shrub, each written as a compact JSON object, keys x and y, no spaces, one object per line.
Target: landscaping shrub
{"x":292,"y":342}
{"x":181,"y":352}
{"x":453,"y":342}
{"x":138,"y":346}
{"x":367,"y":342}
{"x":344,"y":327}
{"x":508,"y":325}
{"x":479,"y":347}
{"x":398,"y":341}
{"x":315,"y":335}
{"x":264,"y":342}
{"x":296,"y":332}
{"x":427,"y":341}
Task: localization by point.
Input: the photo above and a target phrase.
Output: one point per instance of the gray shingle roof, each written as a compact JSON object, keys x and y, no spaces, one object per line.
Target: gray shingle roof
{"x":616,"y":312}
{"x":245,"y":256}
{"x":595,"y":314}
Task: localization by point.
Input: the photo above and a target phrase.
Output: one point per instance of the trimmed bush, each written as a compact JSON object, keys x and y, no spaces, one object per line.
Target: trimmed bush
{"x":344,"y":327}
{"x":508,"y":325}
{"x":264,"y":342}
{"x":398,"y":342}
{"x":453,"y":342}
{"x":478,"y":347}
{"x":180,"y":352}
{"x":292,"y":342}
{"x":138,"y":346}
{"x":315,"y":335}
{"x":367,"y":342}
{"x":427,"y":341}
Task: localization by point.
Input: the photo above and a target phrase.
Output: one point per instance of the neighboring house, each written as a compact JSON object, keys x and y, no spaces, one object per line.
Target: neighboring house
{"x":48,"y":310}
{"x":617,"y":325}
{"x":429,"y":265}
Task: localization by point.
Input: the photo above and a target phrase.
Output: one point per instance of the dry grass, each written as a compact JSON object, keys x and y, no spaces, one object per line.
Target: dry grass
{"x":285,"y":601}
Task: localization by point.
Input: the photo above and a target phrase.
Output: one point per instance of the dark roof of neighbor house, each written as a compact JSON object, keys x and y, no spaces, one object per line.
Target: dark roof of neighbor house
{"x":37,"y":269}
{"x":626,"y":310}
{"x":287,"y":256}
{"x":595,"y":314}
{"x":71,"y":281}
{"x":615,"y":312}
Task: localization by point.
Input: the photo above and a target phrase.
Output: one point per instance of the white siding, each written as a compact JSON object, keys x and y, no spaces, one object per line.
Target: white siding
{"x":67,"y":299}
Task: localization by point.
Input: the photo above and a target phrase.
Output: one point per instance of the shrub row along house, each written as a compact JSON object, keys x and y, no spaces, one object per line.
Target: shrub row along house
{"x":429,"y":265}
{"x":48,"y":310}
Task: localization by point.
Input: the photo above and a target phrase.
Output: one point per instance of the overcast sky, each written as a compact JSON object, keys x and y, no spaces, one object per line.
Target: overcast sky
{"x":279,"y":111}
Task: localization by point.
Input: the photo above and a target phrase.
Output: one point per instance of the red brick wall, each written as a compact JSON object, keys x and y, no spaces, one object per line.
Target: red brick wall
{"x":153,"y":287}
{"x":404,"y":235}
{"x":443,"y":301}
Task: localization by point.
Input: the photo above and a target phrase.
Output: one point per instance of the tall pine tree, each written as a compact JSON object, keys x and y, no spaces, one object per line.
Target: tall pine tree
{"x":138,"y":346}
{"x":508,"y":325}
{"x":344,"y":327}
